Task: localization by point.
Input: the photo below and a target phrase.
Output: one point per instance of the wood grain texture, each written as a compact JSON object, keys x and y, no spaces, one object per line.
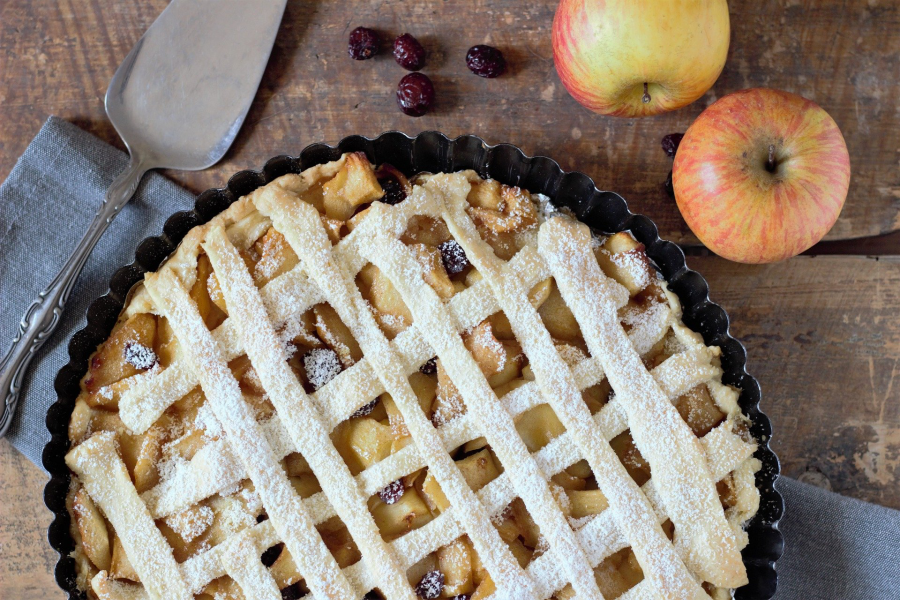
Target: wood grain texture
{"x":57,"y":57}
{"x":26,"y":559}
{"x":823,"y":337}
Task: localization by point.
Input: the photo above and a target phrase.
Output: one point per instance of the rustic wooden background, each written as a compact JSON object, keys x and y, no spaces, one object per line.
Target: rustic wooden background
{"x":57,"y":57}
{"x":823,"y":333}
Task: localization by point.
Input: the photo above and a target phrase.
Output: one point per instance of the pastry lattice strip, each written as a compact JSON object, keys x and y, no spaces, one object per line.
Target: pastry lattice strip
{"x":664,"y":438}
{"x":105,"y":476}
{"x":240,"y":557}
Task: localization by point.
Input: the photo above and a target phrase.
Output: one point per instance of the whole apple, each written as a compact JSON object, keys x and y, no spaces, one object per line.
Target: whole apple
{"x":761,"y":175}
{"x":634,"y":58}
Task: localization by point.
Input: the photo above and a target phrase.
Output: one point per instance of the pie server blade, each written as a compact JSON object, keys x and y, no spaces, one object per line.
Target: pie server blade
{"x":177,"y":100}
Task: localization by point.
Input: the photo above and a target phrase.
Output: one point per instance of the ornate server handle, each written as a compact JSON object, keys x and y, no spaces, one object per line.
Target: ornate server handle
{"x":43,"y":315}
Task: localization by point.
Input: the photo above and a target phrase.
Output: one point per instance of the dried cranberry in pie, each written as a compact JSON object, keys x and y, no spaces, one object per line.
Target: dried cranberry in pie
{"x":392,"y":493}
{"x":431,"y":585}
{"x":453,"y":257}
{"x":140,"y":356}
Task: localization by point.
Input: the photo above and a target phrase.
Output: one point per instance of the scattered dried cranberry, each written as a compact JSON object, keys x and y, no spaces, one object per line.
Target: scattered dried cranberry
{"x":365,"y":409}
{"x":485,"y":61}
{"x":409,"y":53}
{"x":415,"y":94}
{"x":670,"y":144}
{"x":140,"y":356}
{"x":670,"y":189}
{"x":393,"y":190}
{"x":392,"y":492}
{"x":430,"y":366}
{"x":431,"y":585}
{"x":453,"y":256}
{"x":363,"y":44}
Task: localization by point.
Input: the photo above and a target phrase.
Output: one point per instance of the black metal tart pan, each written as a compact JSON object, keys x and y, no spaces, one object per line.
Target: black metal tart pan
{"x":605,"y":212}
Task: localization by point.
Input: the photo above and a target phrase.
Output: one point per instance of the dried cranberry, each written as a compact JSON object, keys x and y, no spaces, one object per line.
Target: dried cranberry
{"x":430,"y":366}
{"x":415,"y":94}
{"x":322,"y":365}
{"x":431,"y":585}
{"x":392,"y":492}
{"x":485,"y":61}
{"x":670,"y":189}
{"x":365,"y":409}
{"x":409,"y":53}
{"x":363,"y":44}
{"x":269,"y":557}
{"x":393,"y":190}
{"x":453,"y":256}
{"x":294,"y":591}
{"x":140,"y":356}
{"x":670,"y":144}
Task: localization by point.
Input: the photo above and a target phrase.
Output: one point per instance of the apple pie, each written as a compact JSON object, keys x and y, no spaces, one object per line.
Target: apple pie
{"x":351,"y":384}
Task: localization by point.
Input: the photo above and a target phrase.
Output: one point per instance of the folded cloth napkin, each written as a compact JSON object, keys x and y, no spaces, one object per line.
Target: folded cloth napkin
{"x":836,"y":547}
{"x":46,"y":204}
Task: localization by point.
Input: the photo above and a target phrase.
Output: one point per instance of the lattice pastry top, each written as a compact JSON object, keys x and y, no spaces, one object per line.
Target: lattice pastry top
{"x":354,"y":385}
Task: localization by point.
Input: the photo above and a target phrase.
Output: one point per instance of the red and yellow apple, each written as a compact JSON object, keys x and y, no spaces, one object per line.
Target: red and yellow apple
{"x":634,"y":58}
{"x":761,"y":175}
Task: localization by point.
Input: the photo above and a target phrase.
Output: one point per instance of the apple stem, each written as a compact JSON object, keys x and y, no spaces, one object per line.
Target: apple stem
{"x":646,"y":97}
{"x":770,"y":163}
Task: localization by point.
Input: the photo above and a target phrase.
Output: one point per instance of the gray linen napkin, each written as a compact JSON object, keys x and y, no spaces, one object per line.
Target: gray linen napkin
{"x":46,"y":204}
{"x":836,"y":547}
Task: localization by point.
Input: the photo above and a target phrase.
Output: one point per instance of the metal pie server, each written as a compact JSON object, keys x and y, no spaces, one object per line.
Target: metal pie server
{"x":178,"y":101}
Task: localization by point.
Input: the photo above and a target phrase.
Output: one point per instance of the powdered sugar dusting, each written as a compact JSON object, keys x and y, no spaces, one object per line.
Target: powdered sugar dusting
{"x":281,"y":501}
{"x":658,"y":431}
{"x":207,"y":421}
{"x":635,"y":263}
{"x":545,"y":207}
{"x":484,"y":338}
{"x":191,"y":523}
{"x":304,"y":426}
{"x":322,"y":365}
{"x":140,"y":356}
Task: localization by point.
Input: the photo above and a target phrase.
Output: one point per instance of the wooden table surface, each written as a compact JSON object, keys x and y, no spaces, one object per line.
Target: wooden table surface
{"x":822,"y":332}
